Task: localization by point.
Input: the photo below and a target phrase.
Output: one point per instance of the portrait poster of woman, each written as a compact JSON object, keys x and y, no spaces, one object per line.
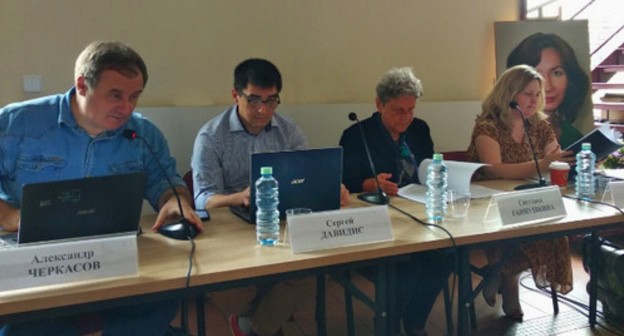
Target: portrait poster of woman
{"x":572,"y":113}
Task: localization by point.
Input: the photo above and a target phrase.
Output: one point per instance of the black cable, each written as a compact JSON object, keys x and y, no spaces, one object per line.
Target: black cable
{"x":184,"y":317}
{"x":190,"y":268}
{"x":594,"y":202}
{"x":456,"y":261}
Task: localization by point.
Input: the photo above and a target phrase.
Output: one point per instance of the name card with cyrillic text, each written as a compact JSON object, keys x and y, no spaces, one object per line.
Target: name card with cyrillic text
{"x":530,"y":206}
{"x":68,"y":261}
{"x":616,"y":190}
{"x":329,"y":229}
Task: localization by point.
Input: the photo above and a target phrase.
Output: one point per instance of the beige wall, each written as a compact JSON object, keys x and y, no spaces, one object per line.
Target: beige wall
{"x":329,"y":51}
{"x":322,"y":123}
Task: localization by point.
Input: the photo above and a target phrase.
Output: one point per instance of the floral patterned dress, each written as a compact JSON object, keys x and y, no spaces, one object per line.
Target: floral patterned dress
{"x":549,"y":260}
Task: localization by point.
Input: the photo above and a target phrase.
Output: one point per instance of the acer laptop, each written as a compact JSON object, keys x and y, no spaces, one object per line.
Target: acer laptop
{"x":307,"y":179}
{"x":81,"y":207}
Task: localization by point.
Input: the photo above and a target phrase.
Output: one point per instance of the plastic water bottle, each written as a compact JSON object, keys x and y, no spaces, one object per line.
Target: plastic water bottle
{"x":435,"y":197}
{"x":585,"y":166}
{"x":267,"y":215}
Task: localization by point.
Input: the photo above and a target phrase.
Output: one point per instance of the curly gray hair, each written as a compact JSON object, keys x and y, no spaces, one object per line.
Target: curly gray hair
{"x":399,"y":82}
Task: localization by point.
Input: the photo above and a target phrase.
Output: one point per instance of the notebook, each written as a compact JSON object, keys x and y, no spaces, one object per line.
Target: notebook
{"x":81,"y":207}
{"x":307,"y":179}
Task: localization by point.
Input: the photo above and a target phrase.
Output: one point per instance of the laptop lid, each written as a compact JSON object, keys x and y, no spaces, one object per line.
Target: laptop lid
{"x":307,"y":179}
{"x":81,"y":207}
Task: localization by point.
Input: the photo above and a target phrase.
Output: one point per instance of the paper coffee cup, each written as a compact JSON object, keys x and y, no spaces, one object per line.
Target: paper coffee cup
{"x":559,"y":173}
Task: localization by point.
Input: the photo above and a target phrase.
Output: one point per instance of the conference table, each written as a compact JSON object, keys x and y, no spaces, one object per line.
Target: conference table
{"x":227,"y":256}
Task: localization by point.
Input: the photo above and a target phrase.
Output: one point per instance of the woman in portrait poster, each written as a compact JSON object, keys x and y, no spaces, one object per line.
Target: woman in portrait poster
{"x":566,"y":84}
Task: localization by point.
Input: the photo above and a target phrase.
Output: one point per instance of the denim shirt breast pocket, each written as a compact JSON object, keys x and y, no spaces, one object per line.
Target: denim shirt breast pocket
{"x":126,"y":167}
{"x":39,"y":163}
{"x":33,"y":168}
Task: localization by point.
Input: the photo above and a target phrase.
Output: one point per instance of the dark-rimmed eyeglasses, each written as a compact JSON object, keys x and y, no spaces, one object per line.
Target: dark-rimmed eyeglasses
{"x":257,"y":102}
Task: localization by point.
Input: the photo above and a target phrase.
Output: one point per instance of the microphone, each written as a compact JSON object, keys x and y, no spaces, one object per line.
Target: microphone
{"x":542,"y":183}
{"x":182,"y":230}
{"x":378,"y":197}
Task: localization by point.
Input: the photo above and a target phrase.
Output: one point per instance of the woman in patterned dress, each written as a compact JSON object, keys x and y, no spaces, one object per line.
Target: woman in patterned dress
{"x":498,"y":139}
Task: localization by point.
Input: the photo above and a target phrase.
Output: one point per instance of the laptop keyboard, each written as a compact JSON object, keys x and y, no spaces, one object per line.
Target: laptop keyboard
{"x":242,"y":212}
{"x":8,"y":241}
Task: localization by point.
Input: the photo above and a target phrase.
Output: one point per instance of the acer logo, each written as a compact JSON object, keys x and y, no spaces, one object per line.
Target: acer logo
{"x":297,"y":181}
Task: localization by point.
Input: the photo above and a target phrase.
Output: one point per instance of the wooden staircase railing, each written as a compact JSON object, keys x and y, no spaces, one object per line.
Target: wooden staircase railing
{"x":607,"y":48}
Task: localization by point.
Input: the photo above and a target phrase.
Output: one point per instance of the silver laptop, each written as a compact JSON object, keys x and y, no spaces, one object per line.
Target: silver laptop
{"x":307,"y":178}
{"x":82,"y":207}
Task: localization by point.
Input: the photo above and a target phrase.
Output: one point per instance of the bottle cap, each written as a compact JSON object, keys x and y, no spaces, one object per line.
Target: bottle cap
{"x":266,"y":170}
{"x":585,"y":145}
{"x":437,"y":157}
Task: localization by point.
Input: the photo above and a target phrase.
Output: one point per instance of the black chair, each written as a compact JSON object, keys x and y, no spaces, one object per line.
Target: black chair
{"x":604,"y":261}
{"x":188,"y":179}
{"x":455,"y":155}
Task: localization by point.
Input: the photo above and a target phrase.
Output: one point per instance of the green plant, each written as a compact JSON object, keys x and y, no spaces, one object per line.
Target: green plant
{"x":614,"y":160}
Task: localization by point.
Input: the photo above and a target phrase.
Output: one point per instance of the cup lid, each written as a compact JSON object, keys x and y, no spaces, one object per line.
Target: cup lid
{"x":559,"y":165}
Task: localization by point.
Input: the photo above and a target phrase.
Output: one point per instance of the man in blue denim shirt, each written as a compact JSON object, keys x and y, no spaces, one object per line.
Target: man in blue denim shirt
{"x":80,"y":134}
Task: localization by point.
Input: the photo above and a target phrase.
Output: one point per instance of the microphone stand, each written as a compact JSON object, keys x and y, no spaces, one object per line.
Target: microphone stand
{"x":525,"y":125}
{"x":186,"y":230}
{"x":375,"y":197}
{"x":182,"y":231}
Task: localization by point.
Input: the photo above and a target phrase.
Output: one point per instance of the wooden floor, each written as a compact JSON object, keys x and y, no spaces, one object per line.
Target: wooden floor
{"x":537,"y":307}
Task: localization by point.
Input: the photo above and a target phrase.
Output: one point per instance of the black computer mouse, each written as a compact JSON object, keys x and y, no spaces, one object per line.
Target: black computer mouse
{"x":181,"y":231}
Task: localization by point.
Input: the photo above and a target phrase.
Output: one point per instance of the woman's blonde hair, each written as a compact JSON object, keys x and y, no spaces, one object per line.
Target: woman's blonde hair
{"x":511,"y":82}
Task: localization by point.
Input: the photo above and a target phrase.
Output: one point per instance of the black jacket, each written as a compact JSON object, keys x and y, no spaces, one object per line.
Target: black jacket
{"x":384,"y":151}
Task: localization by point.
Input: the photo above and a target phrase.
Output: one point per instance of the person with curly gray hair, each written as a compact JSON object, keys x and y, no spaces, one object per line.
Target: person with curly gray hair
{"x":398,"y":142}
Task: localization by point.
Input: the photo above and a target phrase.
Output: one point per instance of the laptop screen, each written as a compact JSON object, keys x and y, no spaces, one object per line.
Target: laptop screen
{"x":81,"y":207}
{"x":307,"y":178}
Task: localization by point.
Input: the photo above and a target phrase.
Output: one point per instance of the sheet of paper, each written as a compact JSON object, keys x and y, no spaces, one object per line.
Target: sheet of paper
{"x":459,"y":173}
{"x":459,"y":177}
{"x":414,"y":192}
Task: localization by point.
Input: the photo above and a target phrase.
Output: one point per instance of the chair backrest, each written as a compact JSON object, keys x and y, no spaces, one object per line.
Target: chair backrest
{"x":188,"y":179}
{"x":455,"y":155}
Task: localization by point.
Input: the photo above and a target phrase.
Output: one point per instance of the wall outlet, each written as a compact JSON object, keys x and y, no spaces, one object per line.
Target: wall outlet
{"x":32,"y":83}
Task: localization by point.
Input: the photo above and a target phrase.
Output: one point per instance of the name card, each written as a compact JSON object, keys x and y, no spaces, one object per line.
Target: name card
{"x":67,"y":261}
{"x":616,"y":189}
{"x":534,"y":205}
{"x":329,"y":229}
